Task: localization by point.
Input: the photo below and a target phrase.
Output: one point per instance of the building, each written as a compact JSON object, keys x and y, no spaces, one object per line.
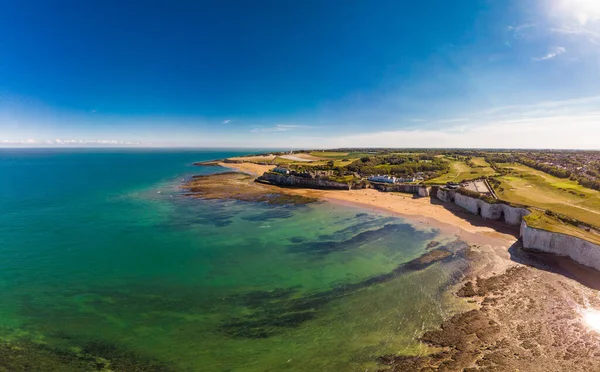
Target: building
{"x":406,"y":179}
{"x":382,"y":179}
{"x":281,"y":170}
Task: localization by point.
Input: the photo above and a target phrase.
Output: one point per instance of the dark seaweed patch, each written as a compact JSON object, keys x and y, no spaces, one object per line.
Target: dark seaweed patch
{"x":297,"y":239}
{"x":122,"y":359}
{"x":278,"y":310}
{"x":266,"y":326}
{"x":258,"y":298}
{"x":321,"y":248}
{"x":189,"y":215}
{"x":96,"y":356}
{"x":357,"y":228}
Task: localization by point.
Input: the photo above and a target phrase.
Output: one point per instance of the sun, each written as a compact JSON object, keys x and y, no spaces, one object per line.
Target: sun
{"x":584,"y":11}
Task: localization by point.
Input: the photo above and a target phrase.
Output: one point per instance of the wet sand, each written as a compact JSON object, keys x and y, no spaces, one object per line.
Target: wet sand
{"x":532,"y":311}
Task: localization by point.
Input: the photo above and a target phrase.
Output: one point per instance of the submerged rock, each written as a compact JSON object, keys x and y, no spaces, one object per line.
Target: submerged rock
{"x":433,"y":244}
{"x":428,"y":259}
{"x":239,"y":186}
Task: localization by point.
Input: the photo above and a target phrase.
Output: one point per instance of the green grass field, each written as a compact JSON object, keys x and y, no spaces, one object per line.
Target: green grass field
{"x":538,"y":189}
{"x":461,"y":171}
{"x":542,"y":221}
{"x":330,"y":154}
{"x":479,"y":161}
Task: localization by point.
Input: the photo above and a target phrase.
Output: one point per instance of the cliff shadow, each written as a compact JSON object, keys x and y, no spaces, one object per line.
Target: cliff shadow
{"x":561,"y":265}
{"x":477,"y":220}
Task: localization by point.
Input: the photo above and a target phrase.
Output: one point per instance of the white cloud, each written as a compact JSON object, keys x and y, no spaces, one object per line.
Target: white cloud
{"x":566,"y":124}
{"x":277,"y":128}
{"x":591,"y":35}
{"x":518,"y":31}
{"x":570,"y":124}
{"x":448,"y":121}
{"x":555,"y":51}
{"x":570,"y":132}
{"x":226,"y":121}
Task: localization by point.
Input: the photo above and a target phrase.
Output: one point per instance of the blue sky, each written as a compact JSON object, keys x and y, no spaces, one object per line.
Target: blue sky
{"x":480,"y":73}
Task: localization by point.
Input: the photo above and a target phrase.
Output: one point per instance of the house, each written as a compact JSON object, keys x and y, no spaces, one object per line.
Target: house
{"x":281,"y":170}
{"x":406,"y":179}
{"x":382,"y":179}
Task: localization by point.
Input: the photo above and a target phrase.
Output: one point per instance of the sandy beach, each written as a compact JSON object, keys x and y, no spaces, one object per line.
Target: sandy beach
{"x":449,"y":218}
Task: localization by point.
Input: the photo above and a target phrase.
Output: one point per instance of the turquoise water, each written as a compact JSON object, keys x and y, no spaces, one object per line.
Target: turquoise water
{"x":99,"y":247}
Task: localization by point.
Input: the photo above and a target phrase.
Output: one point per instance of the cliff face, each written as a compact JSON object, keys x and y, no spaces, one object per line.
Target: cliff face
{"x":410,"y":189}
{"x":313,"y":183}
{"x":498,"y":212}
{"x":445,"y":195}
{"x":579,"y":250}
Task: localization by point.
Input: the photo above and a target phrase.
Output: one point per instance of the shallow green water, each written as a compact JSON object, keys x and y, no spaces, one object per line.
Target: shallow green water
{"x":100,"y":247}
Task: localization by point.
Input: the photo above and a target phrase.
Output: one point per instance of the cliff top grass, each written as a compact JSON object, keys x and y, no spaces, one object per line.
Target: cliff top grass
{"x":540,"y":220}
{"x":480,"y":162}
{"x":525,"y":185}
{"x":459,"y":170}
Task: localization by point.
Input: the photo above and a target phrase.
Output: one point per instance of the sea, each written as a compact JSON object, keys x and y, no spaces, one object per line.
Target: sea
{"x":105,"y":264}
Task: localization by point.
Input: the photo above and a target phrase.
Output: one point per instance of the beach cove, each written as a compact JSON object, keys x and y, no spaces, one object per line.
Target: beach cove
{"x":129,"y":273}
{"x":532,"y":310}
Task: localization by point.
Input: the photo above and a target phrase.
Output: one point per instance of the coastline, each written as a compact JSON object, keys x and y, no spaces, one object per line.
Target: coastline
{"x":530,"y":308}
{"x":449,"y":219}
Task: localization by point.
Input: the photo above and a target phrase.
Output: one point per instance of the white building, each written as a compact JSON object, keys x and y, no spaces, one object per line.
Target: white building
{"x":281,"y":170}
{"x":382,"y":179}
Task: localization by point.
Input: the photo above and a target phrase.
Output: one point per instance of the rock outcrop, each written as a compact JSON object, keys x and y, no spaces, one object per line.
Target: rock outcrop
{"x":294,"y":181}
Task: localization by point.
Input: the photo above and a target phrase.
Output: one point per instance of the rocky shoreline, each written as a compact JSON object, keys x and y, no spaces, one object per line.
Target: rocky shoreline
{"x":238,"y":186}
{"x":527,"y":319}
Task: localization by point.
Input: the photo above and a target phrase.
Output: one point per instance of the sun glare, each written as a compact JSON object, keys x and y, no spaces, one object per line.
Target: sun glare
{"x":584,"y":10}
{"x":591,"y":318}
